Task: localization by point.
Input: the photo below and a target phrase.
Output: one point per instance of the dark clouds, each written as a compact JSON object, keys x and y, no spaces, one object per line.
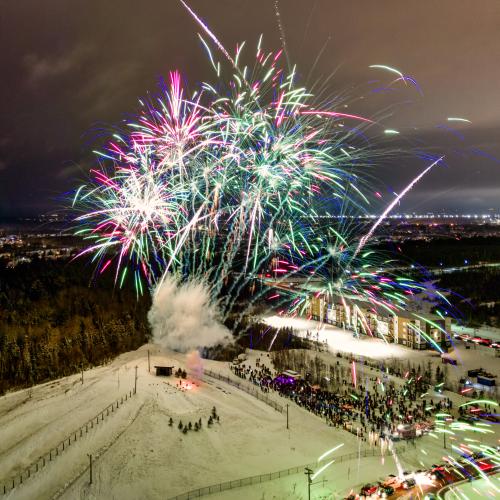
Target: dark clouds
{"x":69,"y":67}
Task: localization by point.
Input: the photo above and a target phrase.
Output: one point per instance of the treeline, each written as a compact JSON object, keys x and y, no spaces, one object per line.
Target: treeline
{"x":257,"y":335}
{"x":333,"y":375}
{"x":448,"y":252}
{"x":56,"y":317}
{"x":476,"y":294}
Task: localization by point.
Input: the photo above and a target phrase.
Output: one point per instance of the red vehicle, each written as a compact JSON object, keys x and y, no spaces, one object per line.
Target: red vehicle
{"x":368,"y":489}
{"x":481,"y":341}
{"x":485,"y":466}
{"x":438,"y":472}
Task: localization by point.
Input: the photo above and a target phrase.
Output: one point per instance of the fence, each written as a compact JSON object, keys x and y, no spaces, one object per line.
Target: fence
{"x":262,"y":478}
{"x":53,"y":453}
{"x":248,"y":389}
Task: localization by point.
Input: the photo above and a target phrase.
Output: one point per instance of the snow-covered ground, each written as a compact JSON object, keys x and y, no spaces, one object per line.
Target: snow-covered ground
{"x":341,"y":340}
{"x":138,"y":455}
{"x":482,"y":488}
{"x":339,"y":479}
{"x":150,"y":459}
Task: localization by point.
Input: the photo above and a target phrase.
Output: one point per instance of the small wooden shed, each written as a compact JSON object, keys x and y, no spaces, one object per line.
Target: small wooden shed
{"x":164,"y":371}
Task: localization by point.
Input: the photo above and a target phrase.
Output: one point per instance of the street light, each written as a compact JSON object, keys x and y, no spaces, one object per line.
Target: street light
{"x":308,"y":472}
{"x":311,"y":475}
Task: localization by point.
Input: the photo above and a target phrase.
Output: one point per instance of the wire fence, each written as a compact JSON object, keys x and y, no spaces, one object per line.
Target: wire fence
{"x":248,"y":389}
{"x":262,"y":478}
{"x":53,"y":453}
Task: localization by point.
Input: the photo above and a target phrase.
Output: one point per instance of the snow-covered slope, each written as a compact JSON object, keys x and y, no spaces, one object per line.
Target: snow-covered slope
{"x":137,"y":455}
{"x":141,"y":456}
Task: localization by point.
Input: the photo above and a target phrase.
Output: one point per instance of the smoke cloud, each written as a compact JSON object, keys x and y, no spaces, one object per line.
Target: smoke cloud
{"x":194,"y":365}
{"x":183,"y":317}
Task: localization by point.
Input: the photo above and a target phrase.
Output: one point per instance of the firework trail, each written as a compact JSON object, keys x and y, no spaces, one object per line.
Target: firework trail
{"x":389,"y":208}
{"x":210,"y":33}
{"x":282,"y":31}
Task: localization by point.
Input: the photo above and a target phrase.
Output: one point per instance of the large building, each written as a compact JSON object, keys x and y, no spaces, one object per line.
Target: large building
{"x":400,"y":328}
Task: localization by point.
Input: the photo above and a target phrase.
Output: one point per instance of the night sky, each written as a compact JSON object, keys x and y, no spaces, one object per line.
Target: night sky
{"x":70,"y":67}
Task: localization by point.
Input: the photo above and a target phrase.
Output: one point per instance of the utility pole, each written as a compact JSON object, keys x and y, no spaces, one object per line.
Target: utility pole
{"x":149,"y":365}
{"x":90,"y":470}
{"x":287,"y":405}
{"x":308,"y":472}
{"x":135,"y":383}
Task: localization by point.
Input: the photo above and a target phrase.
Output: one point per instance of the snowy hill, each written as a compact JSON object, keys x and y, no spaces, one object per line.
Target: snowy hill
{"x":138,"y":455}
{"x":141,"y":456}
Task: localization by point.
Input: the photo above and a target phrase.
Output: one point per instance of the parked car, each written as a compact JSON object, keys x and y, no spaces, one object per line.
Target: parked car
{"x":392,"y":480}
{"x":492,"y":417}
{"x":409,"y":483}
{"x":437,"y":472}
{"x":467,"y":420}
{"x":485,"y":466}
{"x":384,"y":490}
{"x":368,"y":490}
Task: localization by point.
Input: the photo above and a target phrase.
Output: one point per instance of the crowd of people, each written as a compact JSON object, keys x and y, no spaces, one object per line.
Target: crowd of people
{"x":370,"y":411}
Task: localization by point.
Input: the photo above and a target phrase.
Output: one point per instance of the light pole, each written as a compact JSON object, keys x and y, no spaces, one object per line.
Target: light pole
{"x":308,"y":472}
{"x":287,"y":405}
{"x":90,"y":469}
{"x":135,"y":382}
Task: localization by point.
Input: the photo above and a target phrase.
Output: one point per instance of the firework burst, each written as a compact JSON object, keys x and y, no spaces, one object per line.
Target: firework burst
{"x":233,"y":182}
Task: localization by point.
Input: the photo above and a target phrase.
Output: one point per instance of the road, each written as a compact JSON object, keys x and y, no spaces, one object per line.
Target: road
{"x":450,"y":477}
